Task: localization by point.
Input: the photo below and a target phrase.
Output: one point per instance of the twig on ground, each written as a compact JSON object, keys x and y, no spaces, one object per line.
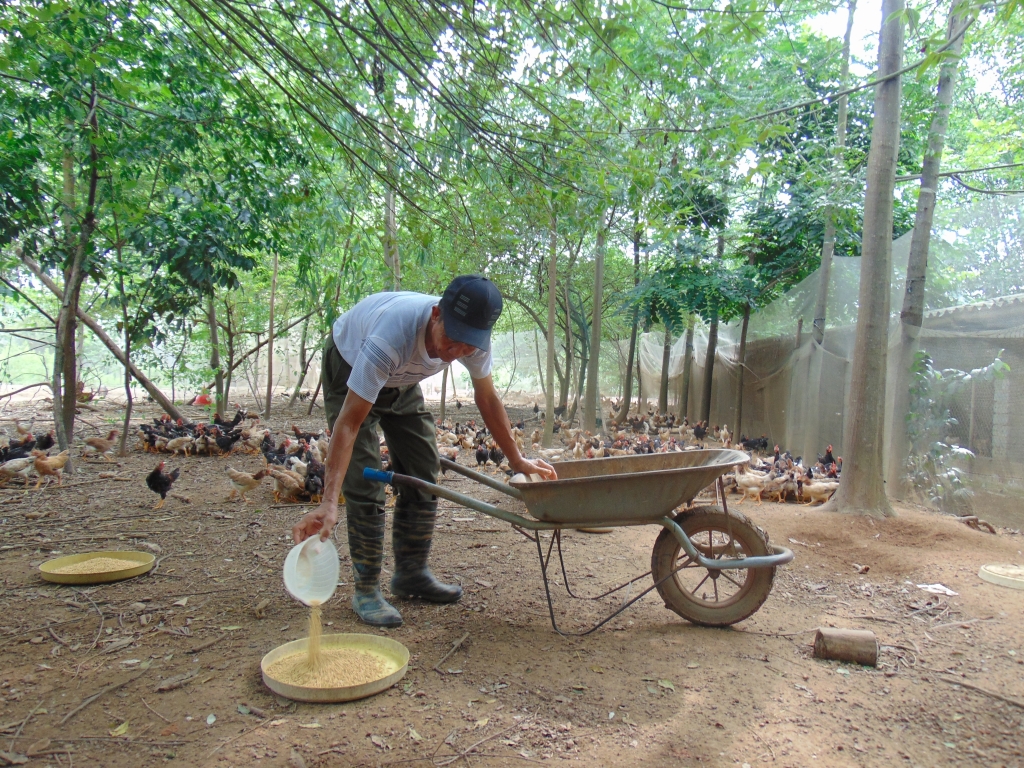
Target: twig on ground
{"x":155,"y":712}
{"x":986,"y":691}
{"x":28,"y":717}
{"x":235,"y":738}
{"x":455,"y":646}
{"x":207,"y":644}
{"x":99,"y":630}
{"x":90,"y":699}
{"x":962,"y":623}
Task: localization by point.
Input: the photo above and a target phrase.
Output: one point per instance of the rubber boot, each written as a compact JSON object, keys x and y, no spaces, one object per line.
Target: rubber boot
{"x":412,"y":533}
{"x":366,"y":545}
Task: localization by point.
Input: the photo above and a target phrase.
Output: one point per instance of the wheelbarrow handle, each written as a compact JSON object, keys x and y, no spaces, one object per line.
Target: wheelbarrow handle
{"x":377,"y":475}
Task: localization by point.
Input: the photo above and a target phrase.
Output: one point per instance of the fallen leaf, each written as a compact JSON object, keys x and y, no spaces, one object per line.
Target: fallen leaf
{"x":599,"y":670}
{"x":651,"y":689}
{"x":170,"y":730}
{"x":482,"y":722}
{"x":211,"y":719}
{"x":310,"y":725}
{"x":379,"y":742}
{"x":121,"y":730}
{"x":667,"y":684}
{"x":243,"y":710}
{"x":485,"y":584}
{"x":13,"y":758}
{"x":232,"y":628}
{"x":181,"y":603}
{"x":415,"y":736}
{"x":275,"y":723}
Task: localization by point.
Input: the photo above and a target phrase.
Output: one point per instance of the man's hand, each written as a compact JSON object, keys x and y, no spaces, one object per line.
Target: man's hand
{"x":322,"y":520}
{"x":536,"y":467}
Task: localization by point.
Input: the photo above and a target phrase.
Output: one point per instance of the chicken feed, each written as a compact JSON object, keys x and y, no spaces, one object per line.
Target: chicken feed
{"x":97,"y":565}
{"x":327,"y":667}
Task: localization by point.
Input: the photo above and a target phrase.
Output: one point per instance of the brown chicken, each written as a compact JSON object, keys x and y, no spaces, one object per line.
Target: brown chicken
{"x":287,"y":484}
{"x":50,"y":466}
{"x":242,"y":482}
{"x":103,"y":446}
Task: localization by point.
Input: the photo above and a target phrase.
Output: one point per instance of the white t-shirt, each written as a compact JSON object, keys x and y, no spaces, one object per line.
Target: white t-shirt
{"x":381,"y":337}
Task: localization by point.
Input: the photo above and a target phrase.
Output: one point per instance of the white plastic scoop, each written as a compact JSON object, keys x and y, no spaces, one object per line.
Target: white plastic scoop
{"x":311,"y":571}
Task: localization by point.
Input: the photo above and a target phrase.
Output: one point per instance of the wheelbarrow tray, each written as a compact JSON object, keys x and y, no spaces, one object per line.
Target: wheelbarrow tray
{"x":625,"y":488}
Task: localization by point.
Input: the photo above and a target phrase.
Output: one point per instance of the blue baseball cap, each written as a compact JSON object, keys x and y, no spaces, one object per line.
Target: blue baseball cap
{"x":470,"y":307}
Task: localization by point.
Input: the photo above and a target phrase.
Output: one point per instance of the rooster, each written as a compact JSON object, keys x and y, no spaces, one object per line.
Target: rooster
{"x":102,"y":446}
{"x":242,"y":482}
{"x":160,"y":482}
{"x":287,"y":484}
{"x":50,"y":466}
{"x":481,"y":454}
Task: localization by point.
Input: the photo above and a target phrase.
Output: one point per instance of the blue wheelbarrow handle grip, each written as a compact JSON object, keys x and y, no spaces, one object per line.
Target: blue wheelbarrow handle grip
{"x":377,"y":475}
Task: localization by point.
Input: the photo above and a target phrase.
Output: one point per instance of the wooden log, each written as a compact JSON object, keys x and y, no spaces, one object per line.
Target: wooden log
{"x":859,"y":646}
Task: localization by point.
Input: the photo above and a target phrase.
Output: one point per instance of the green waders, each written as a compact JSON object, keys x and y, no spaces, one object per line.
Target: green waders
{"x":412,"y":444}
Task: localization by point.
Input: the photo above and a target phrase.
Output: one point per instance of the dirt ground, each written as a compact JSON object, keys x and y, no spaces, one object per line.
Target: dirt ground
{"x":649,"y":689}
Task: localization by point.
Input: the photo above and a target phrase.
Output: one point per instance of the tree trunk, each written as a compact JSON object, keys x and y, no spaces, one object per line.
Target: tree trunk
{"x":592,"y":398}
{"x":687,"y":368}
{"x":666,"y":355}
{"x":270,"y":339}
{"x":738,"y":426}
{"x":65,"y":367}
{"x":444,"y":391}
{"x":99,"y":333}
{"x":540,"y":369}
{"x":709,"y":356}
{"x":122,"y":449}
{"x":829,"y":241}
{"x":218,"y":372}
{"x":549,"y":398}
{"x":863,"y":490}
{"x":912,"y":315}
{"x":305,"y":360}
{"x":391,"y":240}
{"x":563,"y":393}
{"x":627,"y":389}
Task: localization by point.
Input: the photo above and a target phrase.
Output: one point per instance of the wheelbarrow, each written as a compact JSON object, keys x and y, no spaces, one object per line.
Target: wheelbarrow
{"x":711,"y":566}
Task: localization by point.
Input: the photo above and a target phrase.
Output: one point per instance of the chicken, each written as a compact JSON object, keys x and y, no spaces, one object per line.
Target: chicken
{"x":225,"y":443}
{"x":481,"y":454}
{"x":314,"y":486}
{"x":451,"y":453}
{"x":750,"y":484}
{"x":183,"y":444}
{"x":160,"y":482}
{"x":242,"y":482}
{"x":50,"y":466}
{"x":286,"y":483}
{"x":253,"y":440}
{"x":818,"y":491}
{"x":495,"y":455}
{"x":20,"y":467}
{"x":102,"y":446}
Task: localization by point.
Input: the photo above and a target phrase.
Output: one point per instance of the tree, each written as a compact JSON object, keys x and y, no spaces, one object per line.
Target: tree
{"x":863,"y":490}
{"x":912,"y":315}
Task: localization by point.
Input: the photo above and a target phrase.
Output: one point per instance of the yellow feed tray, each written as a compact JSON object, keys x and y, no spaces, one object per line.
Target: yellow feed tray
{"x":96,"y":567}
{"x":393,"y":658}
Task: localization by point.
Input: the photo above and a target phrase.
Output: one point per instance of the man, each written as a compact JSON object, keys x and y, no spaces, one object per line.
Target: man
{"x":381,"y":349}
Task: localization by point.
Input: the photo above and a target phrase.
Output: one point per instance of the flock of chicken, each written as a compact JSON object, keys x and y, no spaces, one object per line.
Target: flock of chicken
{"x":296,"y":464}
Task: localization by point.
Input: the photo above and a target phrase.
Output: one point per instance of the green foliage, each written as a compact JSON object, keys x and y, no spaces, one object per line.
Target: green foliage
{"x":935,"y":465}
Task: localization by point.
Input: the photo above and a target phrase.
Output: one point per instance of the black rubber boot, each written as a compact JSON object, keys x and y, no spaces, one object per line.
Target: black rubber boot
{"x":366,"y":545}
{"x":411,"y":536}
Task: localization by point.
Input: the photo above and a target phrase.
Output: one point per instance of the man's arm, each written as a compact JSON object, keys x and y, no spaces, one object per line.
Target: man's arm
{"x":496,"y":419}
{"x":343,"y":436}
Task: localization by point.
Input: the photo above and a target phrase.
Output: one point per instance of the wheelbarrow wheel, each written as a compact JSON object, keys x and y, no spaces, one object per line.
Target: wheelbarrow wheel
{"x":712,"y":598}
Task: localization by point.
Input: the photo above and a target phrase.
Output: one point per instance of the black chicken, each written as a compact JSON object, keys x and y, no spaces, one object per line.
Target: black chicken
{"x":481,"y":454}
{"x":314,"y":486}
{"x":225,"y":443}
{"x":161,"y":482}
{"x":45,"y":441}
{"x":230,"y":425}
{"x":20,"y":450}
{"x":700,"y":430}
{"x":828,"y":458}
{"x":495,"y":455}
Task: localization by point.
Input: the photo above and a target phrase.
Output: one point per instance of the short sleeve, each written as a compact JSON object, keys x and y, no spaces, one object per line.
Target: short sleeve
{"x":478,"y":364}
{"x":373,"y":366}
